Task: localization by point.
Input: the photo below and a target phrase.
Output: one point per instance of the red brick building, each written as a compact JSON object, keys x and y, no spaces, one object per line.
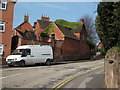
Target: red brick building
{"x":40,"y":25}
{"x":22,"y":34}
{"x":67,"y":44}
{"x":6,"y":22}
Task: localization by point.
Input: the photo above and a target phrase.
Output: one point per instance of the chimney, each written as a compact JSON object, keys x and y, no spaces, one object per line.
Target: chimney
{"x":82,"y":20}
{"x":26,"y":17}
{"x":45,"y":18}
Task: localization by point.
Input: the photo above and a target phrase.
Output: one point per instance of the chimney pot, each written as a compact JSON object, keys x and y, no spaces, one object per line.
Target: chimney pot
{"x":82,"y":20}
{"x":26,"y":17}
{"x":45,"y":18}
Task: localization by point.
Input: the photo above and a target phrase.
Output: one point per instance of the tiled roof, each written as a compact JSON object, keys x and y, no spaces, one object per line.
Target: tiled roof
{"x":29,"y":35}
{"x":100,"y":45}
{"x":43,"y":24}
{"x":78,"y":29}
{"x":67,"y":32}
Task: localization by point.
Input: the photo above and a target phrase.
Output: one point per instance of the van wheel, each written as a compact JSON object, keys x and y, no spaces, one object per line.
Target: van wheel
{"x":48,"y":62}
{"x":22,"y":63}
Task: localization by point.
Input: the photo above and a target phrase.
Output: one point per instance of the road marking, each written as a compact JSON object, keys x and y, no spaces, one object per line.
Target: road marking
{"x":11,"y":76}
{"x":83,"y":84}
{"x":73,"y":77}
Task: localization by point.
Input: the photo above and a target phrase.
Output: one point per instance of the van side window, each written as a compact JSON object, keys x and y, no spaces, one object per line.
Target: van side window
{"x":26,"y":52}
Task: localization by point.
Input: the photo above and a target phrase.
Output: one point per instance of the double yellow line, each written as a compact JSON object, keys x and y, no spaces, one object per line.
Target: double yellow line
{"x":73,"y":77}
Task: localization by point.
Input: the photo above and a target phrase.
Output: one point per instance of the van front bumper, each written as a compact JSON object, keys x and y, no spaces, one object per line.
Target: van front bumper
{"x":12,"y":62}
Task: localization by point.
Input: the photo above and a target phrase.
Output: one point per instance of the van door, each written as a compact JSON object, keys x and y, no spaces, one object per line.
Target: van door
{"x":26,"y":54}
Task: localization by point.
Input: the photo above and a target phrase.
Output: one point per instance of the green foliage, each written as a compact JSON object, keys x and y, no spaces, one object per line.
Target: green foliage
{"x":116,"y":49}
{"x":112,"y":51}
{"x":91,"y":43}
{"x":108,"y":23}
{"x":47,"y":30}
{"x":92,"y":46}
{"x":64,"y":23}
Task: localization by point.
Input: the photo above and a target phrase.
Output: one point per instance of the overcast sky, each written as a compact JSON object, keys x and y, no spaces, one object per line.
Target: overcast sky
{"x":71,"y":11}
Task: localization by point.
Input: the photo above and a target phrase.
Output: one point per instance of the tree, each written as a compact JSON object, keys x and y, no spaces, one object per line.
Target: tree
{"x":90,"y":27}
{"x":108,"y":23}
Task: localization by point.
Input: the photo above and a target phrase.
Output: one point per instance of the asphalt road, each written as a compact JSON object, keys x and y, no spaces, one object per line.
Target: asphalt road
{"x":94,"y":79}
{"x":43,"y":76}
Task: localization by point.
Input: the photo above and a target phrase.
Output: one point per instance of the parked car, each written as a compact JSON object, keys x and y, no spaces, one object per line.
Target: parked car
{"x":31,"y":54}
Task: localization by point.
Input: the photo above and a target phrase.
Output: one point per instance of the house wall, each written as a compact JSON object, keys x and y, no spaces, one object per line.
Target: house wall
{"x":25,"y":26}
{"x":84,"y":50}
{"x":83,"y":32}
{"x":58,"y":35}
{"x":38,"y":30}
{"x":70,"y":49}
{"x":7,"y":17}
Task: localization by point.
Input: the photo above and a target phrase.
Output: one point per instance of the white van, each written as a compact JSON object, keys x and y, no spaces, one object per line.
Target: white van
{"x":31,"y":54}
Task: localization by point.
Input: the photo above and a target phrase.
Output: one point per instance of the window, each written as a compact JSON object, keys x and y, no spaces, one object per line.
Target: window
{"x":53,"y":36}
{"x":2,"y":26}
{"x":23,"y":52}
{"x":1,"y":49}
{"x":3,"y":5}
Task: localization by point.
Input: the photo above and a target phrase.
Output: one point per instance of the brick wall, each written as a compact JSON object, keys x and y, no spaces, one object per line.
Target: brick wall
{"x":7,"y":17}
{"x":71,"y":49}
{"x":84,"y":50}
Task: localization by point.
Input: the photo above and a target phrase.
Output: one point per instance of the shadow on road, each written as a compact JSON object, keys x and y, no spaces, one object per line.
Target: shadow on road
{"x":53,"y":63}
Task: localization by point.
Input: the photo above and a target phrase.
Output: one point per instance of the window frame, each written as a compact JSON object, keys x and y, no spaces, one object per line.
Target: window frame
{"x":2,"y":23}
{"x":1,"y":46}
{"x":5,"y":2}
{"x":52,"y":36}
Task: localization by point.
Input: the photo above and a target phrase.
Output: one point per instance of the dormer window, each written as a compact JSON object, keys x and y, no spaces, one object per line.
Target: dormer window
{"x":2,"y":26}
{"x":3,"y":5}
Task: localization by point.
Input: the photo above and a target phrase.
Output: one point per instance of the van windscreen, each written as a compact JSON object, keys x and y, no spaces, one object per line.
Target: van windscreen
{"x":21,"y":51}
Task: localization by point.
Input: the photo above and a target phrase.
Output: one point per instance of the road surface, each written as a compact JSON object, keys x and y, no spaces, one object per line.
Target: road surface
{"x":94,"y":79}
{"x":44,"y":76}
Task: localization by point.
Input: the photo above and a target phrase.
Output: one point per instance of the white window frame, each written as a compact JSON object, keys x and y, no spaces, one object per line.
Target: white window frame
{"x":2,"y":5}
{"x":2,"y":24}
{"x":1,"y":46}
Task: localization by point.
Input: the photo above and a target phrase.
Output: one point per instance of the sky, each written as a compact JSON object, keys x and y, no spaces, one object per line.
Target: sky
{"x":70,"y":11}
